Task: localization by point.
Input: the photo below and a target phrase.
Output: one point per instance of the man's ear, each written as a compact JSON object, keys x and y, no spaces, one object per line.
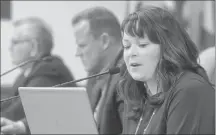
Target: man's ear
{"x":105,"y":39}
{"x":34,"y":51}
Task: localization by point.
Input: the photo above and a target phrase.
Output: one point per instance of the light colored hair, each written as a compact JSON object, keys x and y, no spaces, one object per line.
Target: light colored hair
{"x":42,"y":32}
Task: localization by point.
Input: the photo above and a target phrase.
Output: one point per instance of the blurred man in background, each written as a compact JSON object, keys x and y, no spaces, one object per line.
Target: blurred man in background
{"x":98,"y":37}
{"x":32,"y":39}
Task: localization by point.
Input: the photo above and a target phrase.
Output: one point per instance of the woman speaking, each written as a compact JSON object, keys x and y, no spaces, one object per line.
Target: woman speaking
{"x":165,"y":90}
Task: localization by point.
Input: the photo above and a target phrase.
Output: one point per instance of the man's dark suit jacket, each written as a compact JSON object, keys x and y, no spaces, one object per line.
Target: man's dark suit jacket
{"x":43,"y":74}
{"x":112,"y":106}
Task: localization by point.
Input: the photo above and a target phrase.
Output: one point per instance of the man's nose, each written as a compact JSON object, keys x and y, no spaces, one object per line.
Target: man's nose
{"x":78,"y":52}
{"x":10,"y":48}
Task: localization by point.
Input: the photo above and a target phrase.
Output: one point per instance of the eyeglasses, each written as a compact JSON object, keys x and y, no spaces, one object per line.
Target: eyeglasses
{"x":20,"y":41}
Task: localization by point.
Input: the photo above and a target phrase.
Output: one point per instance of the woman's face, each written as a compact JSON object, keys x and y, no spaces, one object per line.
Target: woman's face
{"x":141,"y":57}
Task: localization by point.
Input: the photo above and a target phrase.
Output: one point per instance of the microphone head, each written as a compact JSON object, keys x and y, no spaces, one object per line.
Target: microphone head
{"x":114,"y":70}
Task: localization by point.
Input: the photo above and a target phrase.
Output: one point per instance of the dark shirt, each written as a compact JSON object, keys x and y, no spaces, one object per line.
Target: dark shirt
{"x":43,"y":74}
{"x":188,"y":108}
{"x":109,"y":112}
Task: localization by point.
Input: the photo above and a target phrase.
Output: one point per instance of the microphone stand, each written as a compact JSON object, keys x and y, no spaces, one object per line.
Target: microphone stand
{"x":27,"y":62}
{"x":82,"y":79}
{"x":20,"y":65}
{"x":4,"y":100}
{"x":110,"y":71}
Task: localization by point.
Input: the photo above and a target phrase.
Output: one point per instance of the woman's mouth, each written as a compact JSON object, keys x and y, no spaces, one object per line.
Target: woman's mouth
{"x":135,"y":64}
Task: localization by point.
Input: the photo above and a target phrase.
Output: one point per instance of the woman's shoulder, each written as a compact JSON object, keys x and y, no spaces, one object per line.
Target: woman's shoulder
{"x":193,"y":85}
{"x":192,"y":80}
{"x":190,"y":106}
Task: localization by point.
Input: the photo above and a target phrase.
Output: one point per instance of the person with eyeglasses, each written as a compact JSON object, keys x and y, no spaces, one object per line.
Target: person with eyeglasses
{"x":32,"y":39}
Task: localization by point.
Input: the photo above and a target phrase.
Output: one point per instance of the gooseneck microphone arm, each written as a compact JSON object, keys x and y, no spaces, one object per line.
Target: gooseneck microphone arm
{"x":27,"y":62}
{"x":10,"y":98}
{"x":20,"y":65}
{"x":111,"y":71}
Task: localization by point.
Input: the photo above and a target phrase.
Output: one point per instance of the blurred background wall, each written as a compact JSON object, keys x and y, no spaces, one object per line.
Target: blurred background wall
{"x":198,"y":17}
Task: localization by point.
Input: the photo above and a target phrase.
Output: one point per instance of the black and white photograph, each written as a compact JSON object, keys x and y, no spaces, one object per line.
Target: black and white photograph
{"x":108,"y":67}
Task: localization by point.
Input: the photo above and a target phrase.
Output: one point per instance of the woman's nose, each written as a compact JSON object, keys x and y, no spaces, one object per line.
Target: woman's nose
{"x":133,"y":50}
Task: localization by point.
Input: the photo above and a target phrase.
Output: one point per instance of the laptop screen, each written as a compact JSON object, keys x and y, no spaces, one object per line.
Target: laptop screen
{"x":58,"y":110}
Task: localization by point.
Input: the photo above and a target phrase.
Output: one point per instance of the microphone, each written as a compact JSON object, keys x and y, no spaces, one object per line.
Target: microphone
{"x":25,"y":63}
{"x":111,"y":71}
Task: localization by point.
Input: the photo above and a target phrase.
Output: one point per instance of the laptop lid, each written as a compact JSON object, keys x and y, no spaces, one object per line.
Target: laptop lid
{"x":58,"y":110}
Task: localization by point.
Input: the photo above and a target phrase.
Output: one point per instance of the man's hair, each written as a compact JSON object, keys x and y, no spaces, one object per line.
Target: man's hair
{"x":101,"y":20}
{"x":42,"y":32}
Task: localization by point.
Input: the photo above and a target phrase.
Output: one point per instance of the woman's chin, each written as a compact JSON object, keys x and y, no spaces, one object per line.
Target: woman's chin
{"x":137,"y":77}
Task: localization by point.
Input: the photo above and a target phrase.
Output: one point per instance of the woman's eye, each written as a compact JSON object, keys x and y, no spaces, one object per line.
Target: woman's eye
{"x":126,"y":45}
{"x":143,"y":45}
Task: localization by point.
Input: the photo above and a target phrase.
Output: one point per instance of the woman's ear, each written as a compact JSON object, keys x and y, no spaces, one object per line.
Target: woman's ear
{"x":105,"y":39}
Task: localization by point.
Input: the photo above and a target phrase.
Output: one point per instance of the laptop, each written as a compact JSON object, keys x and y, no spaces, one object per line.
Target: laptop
{"x":58,"y":110}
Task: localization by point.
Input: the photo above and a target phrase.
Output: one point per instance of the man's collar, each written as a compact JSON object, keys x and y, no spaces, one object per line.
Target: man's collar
{"x":27,"y":71}
{"x":111,"y":63}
